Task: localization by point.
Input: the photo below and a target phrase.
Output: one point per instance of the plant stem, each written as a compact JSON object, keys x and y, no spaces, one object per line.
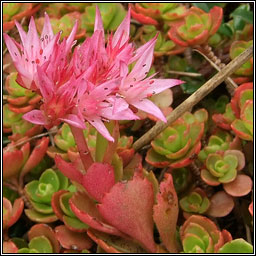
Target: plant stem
{"x":197,"y":96}
{"x":208,"y":54}
{"x":82,"y":147}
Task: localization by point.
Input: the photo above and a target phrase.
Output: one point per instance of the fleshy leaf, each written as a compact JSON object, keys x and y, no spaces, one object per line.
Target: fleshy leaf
{"x":72,"y":240}
{"x":129,"y":207}
{"x":104,"y":175}
{"x":166,"y":213}
{"x":236,"y":246}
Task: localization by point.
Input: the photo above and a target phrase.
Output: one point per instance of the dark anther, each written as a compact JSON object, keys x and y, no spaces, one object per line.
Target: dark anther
{"x":144,"y":65}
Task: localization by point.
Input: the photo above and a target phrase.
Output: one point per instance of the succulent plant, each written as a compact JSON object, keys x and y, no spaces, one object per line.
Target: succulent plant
{"x":236,"y":48}
{"x":195,"y":202}
{"x":222,"y":167}
{"x":9,"y":247}
{"x":181,"y":179}
{"x":11,"y":213}
{"x":164,"y":46}
{"x":177,"y":143}
{"x":219,"y":141}
{"x":242,"y":106}
{"x":196,"y":27}
{"x":199,"y":234}
{"x":61,"y":207}
{"x":16,"y":11}
{"x":18,"y":160}
{"x":41,"y":240}
{"x":20,"y":100}
{"x":157,"y":13}
{"x":40,"y":194}
{"x":239,"y":113}
{"x":112,"y":15}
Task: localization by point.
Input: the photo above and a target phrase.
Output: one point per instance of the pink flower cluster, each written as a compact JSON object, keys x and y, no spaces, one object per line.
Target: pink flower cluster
{"x":95,"y":83}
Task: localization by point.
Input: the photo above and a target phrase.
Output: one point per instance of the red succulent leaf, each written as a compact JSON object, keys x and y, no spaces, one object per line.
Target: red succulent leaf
{"x":235,"y":100}
{"x":250,"y":208}
{"x":129,"y":207}
{"x":9,"y":247}
{"x":241,"y":186}
{"x":220,"y":120}
{"x":19,"y":101}
{"x":216,"y":14}
{"x":36,"y":155}
{"x":173,"y":35}
{"x":221,"y":204}
{"x":44,"y":230}
{"x":226,"y":236}
{"x":166,"y":213}
{"x":105,"y":177}
{"x":114,"y":244}
{"x":107,"y":248}
{"x":142,"y":18}
{"x":17,"y":210}
{"x":56,"y":205}
{"x":68,"y":169}
{"x":85,"y":209}
{"x":126,"y":155}
{"x":12,"y":163}
{"x":72,"y":240}
{"x":21,"y":109}
{"x":156,"y":159}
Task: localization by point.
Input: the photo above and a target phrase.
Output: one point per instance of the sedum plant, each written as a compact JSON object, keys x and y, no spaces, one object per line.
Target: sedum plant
{"x":40,"y":194}
{"x":199,"y":234}
{"x":177,"y":143}
{"x":222,"y":167}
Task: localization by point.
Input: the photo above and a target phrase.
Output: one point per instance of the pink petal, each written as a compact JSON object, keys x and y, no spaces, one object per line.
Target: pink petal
{"x":129,"y":208}
{"x":101,"y":91}
{"x":139,"y":52}
{"x":32,"y":40}
{"x":105,"y":177}
{"x":149,"y":107}
{"x":143,"y":64}
{"x":98,"y":25}
{"x":159,"y":85}
{"x":12,"y":48}
{"x":101,"y":128}
{"x":45,"y":85}
{"x":123,"y":30}
{"x":47,"y":29}
{"x":23,"y":35}
{"x":36,"y":117}
{"x":70,"y":39}
{"x":74,"y":120}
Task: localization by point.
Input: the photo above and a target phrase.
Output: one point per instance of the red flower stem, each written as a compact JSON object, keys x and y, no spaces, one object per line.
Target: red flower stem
{"x":82,"y":147}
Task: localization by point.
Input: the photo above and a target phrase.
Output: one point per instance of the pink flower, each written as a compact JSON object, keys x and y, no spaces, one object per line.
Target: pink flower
{"x":57,"y":103}
{"x":136,"y":87}
{"x":34,"y":51}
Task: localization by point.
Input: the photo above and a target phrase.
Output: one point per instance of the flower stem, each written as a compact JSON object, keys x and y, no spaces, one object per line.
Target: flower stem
{"x":82,"y":147}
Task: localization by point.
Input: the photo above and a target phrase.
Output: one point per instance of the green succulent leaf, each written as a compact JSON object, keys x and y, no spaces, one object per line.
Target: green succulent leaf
{"x":236,"y":246}
{"x":41,"y":244}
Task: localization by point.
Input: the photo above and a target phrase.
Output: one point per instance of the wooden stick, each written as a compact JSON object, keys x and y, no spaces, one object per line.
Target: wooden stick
{"x":195,"y":98}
